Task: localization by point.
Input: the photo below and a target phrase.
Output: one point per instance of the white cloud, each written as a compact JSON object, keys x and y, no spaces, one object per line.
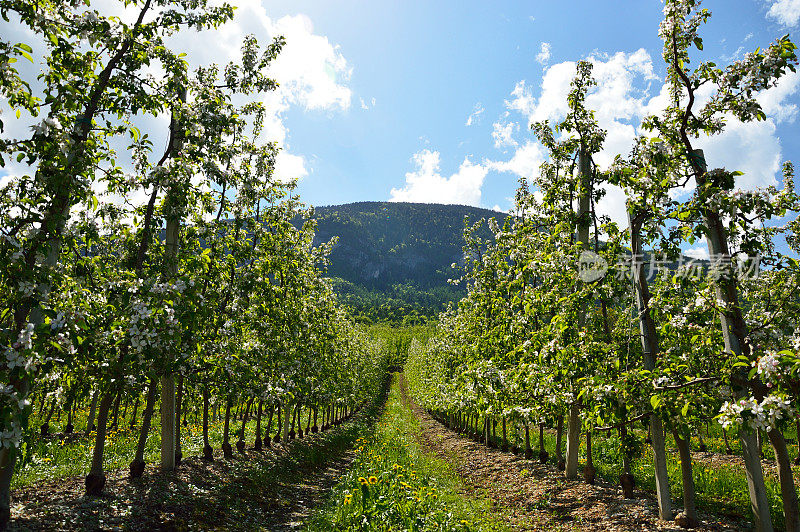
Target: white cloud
{"x":475,"y":115}
{"x":503,"y":134}
{"x":363,"y":104}
{"x":544,"y":54}
{"x":289,"y":167}
{"x":787,"y":12}
{"x":426,"y":184}
{"x":627,"y":91}
{"x":525,"y":162}
{"x":773,"y":101}
{"x":699,"y":252}
{"x":312,"y":72}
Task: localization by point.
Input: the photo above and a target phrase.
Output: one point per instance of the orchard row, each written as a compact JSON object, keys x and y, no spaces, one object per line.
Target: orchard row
{"x":541,"y":337}
{"x":128,"y":271}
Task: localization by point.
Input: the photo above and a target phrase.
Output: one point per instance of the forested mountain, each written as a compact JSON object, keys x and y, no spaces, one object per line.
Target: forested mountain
{"x":394,"y":259}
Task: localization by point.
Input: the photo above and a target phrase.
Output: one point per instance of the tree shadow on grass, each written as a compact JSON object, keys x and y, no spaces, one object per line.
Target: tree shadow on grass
{"x":273,"y":489}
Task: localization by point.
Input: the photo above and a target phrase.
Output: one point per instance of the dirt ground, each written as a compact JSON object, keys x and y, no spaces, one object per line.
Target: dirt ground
{"x":537,"y":496}
{"x":272,"y":490}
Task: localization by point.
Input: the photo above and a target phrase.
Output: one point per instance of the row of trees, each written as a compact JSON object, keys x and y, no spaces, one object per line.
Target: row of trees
{"x":549,"y":331}
{"x":147,"y":270}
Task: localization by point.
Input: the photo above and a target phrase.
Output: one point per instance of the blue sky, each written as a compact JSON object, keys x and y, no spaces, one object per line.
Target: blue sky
{"x":430,"y":65}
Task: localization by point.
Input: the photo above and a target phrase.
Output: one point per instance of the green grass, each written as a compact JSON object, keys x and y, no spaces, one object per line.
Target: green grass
{"x":394,"y":484}
{"x":55,"y":457}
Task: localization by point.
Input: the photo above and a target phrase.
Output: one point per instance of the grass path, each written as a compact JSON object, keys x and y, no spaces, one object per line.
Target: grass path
{"x":397,"y":484}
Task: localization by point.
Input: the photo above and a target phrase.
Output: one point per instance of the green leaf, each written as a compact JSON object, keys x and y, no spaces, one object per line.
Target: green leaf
{"x":655,"y":400}
{"x":685,"y":409}
{"x":23,"y":46}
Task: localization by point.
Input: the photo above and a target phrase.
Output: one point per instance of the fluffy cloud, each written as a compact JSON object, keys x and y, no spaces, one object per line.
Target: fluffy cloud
{"x":544,"y":54}
{"x":503,"y":134}
{"x":312,"y":72}
{"x":426,"y":184}
{"x":524,"y":163}
{"x":627,"y":91}
{"x":787,"y":12}
{"x":475,"y":115}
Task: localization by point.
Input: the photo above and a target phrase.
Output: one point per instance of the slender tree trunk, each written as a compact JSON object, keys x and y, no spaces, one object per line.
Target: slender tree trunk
{"x":69,"y":407}
{"x":573,"y":442}
{"x":528,"y":449}
{"x":208,"y":451}
{"x":277,"y":438}
{"x":687,"y":518}
{"x":543,"y":454}
{"x":178,"y":406}
{"x":96,"y":479}
{"x":240,"y":444}
{"x":135,"y":410}
{"x":116,"y":409}
{"x":788,"y":491}
{"x":257,"y":445}
{"x":287,"y":420}
{"x":626,"y":479}
{"x":45,"y":428}
{"x":735,"y":333}
{"x":137,"y":466}
{"x":267,"y":437}
{"x":560,"y":462}
{"x":92,"y":409}
{"x":728,"y":449}
{"x":292,"y":432}
{"x":227,"y":451}
{"x":650,"y":348}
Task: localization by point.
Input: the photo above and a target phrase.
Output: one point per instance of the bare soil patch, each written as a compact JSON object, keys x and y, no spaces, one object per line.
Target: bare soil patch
{"x":536,"y":496}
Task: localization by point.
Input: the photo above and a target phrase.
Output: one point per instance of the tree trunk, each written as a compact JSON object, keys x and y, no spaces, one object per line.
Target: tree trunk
{"x":257,"y":444}
{"x":650,"y":348}
{"x":96,"y":479}
{"x":137,"y":466}
{"x":626,"y":479}
{"x":92,"y":409}
{"x":277,"y":438}
{"x":287,"y":419}
{"x":208,"y":452}
{"x":135,"y":410}
{"x":573,"y":442}
{"x":267,"y":437}
{"x":240,"y":443}
{"x":227,"y":451}
{"x":178,"y":405}
{"x":735,"y":333}
{"x":168,"y":422}
{"x":528,"y":449}
{"x":543,"y":454}
{"x":116,"y":409}
{"x":560,"y":462}
{"x":788,"y":492}
{"x":687,"y":518}
{"x":45,"y":428}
